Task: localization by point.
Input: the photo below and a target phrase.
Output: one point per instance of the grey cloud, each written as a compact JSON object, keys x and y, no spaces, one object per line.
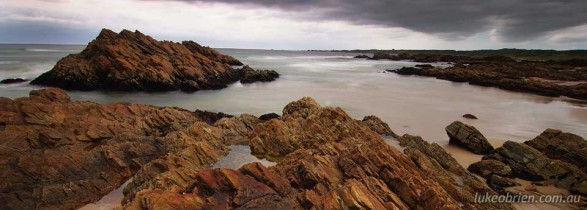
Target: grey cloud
{"x":513,"y":20}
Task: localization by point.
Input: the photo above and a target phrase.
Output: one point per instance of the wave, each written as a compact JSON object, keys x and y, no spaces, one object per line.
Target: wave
{"x":48,"y":50}
{"x":8,"y":62}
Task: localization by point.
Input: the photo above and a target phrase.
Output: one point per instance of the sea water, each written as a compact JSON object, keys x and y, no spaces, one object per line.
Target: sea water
{"x":409,"y":104}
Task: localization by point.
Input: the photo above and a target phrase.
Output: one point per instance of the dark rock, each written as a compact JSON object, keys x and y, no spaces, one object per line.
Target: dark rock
{"x":211,"y":117}
{"x":468,"y":137}
{"x":424,"y":66}
{"x":13,"y":81}
{"x":563,"y":146}
{"x":470,"y":116}
{"x":132,"y":61}
{"x":361,"y":56}
{"x":530,"y":164}
{"x":249,"y":75}
{"x":269,"y":116}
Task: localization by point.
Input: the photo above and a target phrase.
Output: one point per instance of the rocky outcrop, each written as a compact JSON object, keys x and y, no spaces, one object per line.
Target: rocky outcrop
{"x":249,"y":75}
{"x":326,"y":160}
{"x":563,"y":146}
{"x":13,"y":81}
{"x":132,"y":61}
{"x":484,"y":168}
{"x":543,"y":78}
{"x":468,"y":137}
{"x":530,"y":164}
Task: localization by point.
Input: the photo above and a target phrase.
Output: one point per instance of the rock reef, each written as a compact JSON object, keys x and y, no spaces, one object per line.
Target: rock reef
{"x":538,"y":77}
{"x":132,"y":61}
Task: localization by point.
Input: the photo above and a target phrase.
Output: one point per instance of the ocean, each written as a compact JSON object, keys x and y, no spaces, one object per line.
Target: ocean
{"x":409,"y":104}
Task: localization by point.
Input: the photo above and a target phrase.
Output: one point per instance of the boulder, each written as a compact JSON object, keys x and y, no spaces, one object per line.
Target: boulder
{"x":468,"y":137}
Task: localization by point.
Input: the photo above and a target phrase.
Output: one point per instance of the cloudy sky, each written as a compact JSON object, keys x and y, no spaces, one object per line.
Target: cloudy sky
{"x":307,"y":24}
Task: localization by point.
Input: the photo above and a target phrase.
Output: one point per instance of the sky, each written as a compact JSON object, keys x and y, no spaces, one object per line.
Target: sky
{"x":307,"y":24}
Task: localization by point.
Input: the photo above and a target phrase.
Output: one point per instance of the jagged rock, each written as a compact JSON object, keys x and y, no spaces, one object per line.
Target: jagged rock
{"x":529,"y":163}
{"x":13,"y":81}
{"x":58,"y":153}
{"x":484,"y":168}
{"x":377,"y":125}
{"x":268,"y":116}
{"x":132,"y":61}
{"x":563,"y":146}
{"x":249,"y":75}
{"x":468,"y":137}
{"x":470,"y":116}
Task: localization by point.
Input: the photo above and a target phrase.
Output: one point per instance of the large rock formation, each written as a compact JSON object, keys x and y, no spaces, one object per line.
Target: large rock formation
{"x":130,"y":61}
{"x":468,"y":137}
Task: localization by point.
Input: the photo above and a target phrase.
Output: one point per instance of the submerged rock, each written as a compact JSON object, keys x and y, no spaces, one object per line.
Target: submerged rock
{"x":361,"y":56}
{"x":132,"y":61}
{"x":13,"y":81}
{"x":468,"y":137}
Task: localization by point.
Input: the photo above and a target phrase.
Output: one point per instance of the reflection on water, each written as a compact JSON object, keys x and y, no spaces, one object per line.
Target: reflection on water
{"x":109,"y":201}
{"x":409,"y":104}
{"x":238,"y":156}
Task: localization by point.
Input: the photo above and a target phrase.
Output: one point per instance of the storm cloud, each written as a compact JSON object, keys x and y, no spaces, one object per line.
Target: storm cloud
{"x":508,"y":20}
